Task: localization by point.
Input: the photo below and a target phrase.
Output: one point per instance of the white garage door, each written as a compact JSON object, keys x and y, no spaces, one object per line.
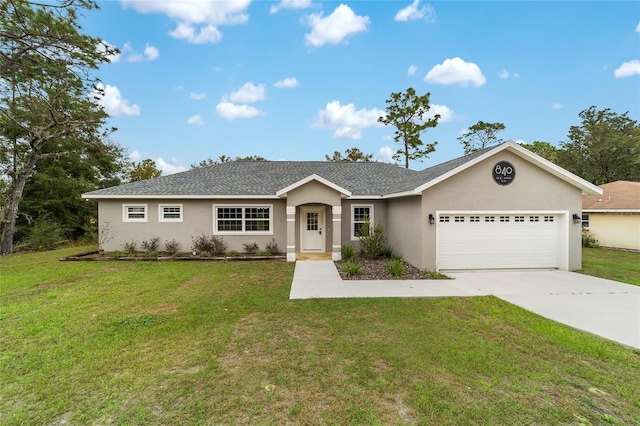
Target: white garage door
{"x":498,"y":241}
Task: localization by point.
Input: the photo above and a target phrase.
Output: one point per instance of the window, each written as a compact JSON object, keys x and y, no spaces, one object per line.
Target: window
{"x":548,"y":218}
{"x":489,"y":218}
{"x":585,"y":220}
{"x":170,"y":213}
{"x":474,"y":219}
{"x":243,"y":219}
{"x":458,"y":218}
{"x":444,"y":219}
{"x":534,"y":218}
{"x":359,"y":216}
{"x":519,"y":218}
{"x":134,"y":213}
{"x":504,"y":218}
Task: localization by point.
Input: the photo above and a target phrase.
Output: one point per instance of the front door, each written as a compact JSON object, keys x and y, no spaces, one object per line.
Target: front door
{"x":312,"y":236}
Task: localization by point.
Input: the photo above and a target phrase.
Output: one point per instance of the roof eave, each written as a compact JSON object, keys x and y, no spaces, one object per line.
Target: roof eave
{"x":178,"y":197}
{"x":314,"y":177}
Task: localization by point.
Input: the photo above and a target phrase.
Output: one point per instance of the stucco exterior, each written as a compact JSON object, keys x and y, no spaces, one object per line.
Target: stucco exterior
{"x":616,"y":230}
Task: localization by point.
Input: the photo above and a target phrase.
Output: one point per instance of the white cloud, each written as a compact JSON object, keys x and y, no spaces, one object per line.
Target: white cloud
{"x":347,"y":120}
{"x":335,"y":27}
{"x":197,"y":96}
{"x":290,"y":4}
{"x":249,"y":93}
{"x":196,"y":119}
{"x":638,"y":28}
{"x":556,"y":105}
{"x":385,"y":154}
{"x":152,"y":53}
{"x":446,"y":113}
{"x":102,"y":48}
{"x":231,"y":111}
{"x":455,"y":70}
{"x":217,"y":68}
{"x":503,"y":74}
{"x":136,"y":57}
{"x":113,"y":102}
{"x":628,"y":69}
{"x":412,"y":70}
{"x":287,"y":83}
{"x":520,"y":141}
{"x":197,"y":20}
{"x":169,"y":168}
{"x":413,"y":13}
{"x":135,"y":155}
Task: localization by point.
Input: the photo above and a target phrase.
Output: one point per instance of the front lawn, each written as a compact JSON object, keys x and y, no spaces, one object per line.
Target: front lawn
{"x":220,"y":343}
{"x":617,"y":265}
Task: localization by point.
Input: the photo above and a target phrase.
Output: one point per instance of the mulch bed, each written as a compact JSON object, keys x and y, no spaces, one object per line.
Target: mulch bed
{"x":376,"y":269}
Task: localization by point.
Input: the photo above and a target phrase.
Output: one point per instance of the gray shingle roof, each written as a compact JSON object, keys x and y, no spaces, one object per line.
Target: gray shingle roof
{"x":265,"y":178}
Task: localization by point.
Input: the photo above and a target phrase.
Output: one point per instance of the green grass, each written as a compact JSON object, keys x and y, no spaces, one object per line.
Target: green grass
{"x":617,"y":265}
{"x":220,"y":343}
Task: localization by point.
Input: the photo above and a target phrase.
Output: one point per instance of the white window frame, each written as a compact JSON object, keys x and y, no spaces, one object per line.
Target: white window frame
{"x":244,"y":219}
{"x":586,"y":220}
{"x":354,"y":237}
{"x":125,"y":213}
{"x":161,"y":217}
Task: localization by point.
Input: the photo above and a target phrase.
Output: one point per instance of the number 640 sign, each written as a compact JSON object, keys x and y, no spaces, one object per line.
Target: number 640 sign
{"x":504,"y":173}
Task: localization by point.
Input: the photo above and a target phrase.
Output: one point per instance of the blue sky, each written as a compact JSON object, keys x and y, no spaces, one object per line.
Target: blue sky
{"x":298,"y":79}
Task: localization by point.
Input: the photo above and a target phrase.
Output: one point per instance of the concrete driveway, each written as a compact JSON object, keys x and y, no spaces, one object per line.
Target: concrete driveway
{"x":606,"y":308}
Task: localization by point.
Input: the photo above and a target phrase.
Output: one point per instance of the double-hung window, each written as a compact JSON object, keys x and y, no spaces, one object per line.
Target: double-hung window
{"x":134,"y":213}
{"x":170,"y":213}
{"x":360,"y":216}
{"x":243,"y":219}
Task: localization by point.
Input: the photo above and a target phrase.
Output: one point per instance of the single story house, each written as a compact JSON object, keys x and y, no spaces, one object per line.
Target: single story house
{"x":501,"y":207}
{"x":613,"y":217}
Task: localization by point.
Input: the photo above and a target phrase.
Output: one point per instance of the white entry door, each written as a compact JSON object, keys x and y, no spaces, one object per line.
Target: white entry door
{"x":312,"y":235}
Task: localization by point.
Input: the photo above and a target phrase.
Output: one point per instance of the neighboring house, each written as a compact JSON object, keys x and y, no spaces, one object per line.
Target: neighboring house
{"x":502,"y":207}
{"x":614,"y":216}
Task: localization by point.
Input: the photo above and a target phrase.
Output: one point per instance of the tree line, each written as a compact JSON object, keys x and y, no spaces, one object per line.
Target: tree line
{"x":55,"y":143}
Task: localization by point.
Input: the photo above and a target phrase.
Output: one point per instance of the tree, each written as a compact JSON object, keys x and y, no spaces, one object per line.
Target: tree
{"x":407,"y":113}
{"x":226,"y":159}
{"x":604,"y":148}
{"x":146,"y":169}
{"x":543,"y":149}
{"x":480,"y":136}
{"x":350,"y":155}
{"x":45,"y":83}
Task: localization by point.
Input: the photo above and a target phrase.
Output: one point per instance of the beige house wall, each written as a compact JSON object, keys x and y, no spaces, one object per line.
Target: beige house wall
{"x":533,"y":190}
{"x":616,"y":230}
{"x":405,"y":230}
{"x":197,"y":220}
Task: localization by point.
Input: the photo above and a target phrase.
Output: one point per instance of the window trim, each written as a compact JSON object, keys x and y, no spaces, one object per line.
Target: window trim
{"x":353,"y":235}
{"x":586,"y":220}
{"x":125,"y":213}
{"x":161,"y":217}
{"x":244,"y":219}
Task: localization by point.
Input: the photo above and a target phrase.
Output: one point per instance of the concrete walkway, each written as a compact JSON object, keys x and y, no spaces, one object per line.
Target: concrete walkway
{"x":606,"y":308}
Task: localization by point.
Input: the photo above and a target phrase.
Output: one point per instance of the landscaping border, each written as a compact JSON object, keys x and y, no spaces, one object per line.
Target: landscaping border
{"x":95,"y":255}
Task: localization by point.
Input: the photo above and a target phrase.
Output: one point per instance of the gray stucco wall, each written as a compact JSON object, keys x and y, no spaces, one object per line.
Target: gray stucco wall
{"x":405,"y":231}
{"x":197,"y":220}
{"x":474,"y":189}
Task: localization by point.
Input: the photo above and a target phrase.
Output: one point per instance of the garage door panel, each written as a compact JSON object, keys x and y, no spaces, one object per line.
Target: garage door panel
{"x":514,"y":242}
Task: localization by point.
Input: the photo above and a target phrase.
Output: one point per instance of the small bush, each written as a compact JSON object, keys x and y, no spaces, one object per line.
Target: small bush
{"x":250,"y":248}
{"x":588,"y":239}
{"x":182,"y":254}
{"x":120,"y":254}
{"x":272,"y":248}
{"x":233,"y":253}
{"x":130,"y":246}
{"x":395,"y":267}
{"x":152,"y":254}
{"x":205,"y":254}
{"x":45,"y":234}
{"x":351,"y":268}
{"x":348,"y":253}
{"x":263,"y":253}
{"x":212,"y":244}
{"x":150,"y":245}
{"x":171,"y":247}
{"x":373,"y":245}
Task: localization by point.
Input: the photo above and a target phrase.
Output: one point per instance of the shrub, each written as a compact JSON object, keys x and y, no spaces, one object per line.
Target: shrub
{"x":233,"y":253}
{"x":121,"y":254}
{"x":373,"y":245}
{"x":351,"y":268}
{"x":152,"y":254}
{"x":588,"y":239}
{"x":263,"y":253}
{"x":171,"y":247}
{"x":45,"y":234}
{"x":395,"y":267}
{"x":348,"y":253}
{"x":205,"y":254}
{"x":213,"y":244}
{"x":250,"y":248}
{"x":151,"y":245}
{"x":130,"y":246}
{"x":272,"y":248}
